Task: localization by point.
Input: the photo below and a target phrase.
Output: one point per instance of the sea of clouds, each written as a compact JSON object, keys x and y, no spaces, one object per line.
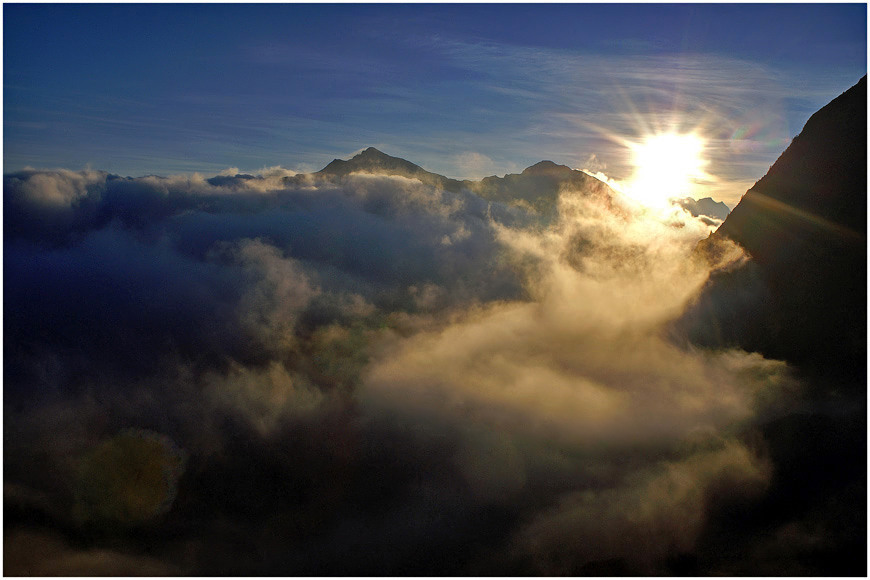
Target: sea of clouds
{"x":300,"y":375}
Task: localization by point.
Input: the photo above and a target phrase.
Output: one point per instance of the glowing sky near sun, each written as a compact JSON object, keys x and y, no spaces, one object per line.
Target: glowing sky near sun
{"x":463,"y":90}
{"x":667,"y":165}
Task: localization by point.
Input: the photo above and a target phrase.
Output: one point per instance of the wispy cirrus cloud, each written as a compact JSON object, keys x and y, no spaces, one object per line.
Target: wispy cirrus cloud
{"x":570,"y":104}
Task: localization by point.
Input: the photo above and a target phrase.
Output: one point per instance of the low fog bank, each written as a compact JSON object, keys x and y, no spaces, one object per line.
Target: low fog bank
{"x":370,"y":375}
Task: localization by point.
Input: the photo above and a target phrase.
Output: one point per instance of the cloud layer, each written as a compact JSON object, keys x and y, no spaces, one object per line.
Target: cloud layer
{"x":362,"y":375}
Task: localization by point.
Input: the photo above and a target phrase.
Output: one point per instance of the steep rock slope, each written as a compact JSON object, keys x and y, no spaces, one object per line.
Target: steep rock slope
{"x":803,"y":297}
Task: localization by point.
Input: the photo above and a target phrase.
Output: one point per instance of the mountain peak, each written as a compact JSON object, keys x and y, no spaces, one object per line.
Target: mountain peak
{"x":546,"y":168}
{"x":371,"y":160}
{"x":370,"y":152}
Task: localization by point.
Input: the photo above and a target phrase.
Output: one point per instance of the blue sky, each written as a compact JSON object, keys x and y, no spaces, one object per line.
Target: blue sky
{"x":463,"y":90}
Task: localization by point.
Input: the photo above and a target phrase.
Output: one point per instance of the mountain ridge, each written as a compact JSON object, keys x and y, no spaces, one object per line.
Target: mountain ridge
{"x":537,"y":187}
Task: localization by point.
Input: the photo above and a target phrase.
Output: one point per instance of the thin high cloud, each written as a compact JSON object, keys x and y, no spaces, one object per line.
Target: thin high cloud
{"x":576,"y":104}
{"x":363,"y":376}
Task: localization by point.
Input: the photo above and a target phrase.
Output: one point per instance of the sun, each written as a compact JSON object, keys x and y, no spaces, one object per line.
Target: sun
{"x":666,"y":166}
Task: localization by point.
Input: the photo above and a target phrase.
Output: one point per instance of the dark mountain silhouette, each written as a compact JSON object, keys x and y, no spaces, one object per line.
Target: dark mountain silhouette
{"x":804,"y":226}
{"x":802,"y":298}
{"x":817,"y":187}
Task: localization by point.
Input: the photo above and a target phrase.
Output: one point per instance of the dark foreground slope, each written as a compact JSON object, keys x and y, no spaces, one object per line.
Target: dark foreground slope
{"x":803,"y":297}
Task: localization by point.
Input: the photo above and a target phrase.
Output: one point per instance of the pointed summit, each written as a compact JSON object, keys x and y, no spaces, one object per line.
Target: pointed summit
{"x":371,"y":160}
{"x":371,"y":153}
